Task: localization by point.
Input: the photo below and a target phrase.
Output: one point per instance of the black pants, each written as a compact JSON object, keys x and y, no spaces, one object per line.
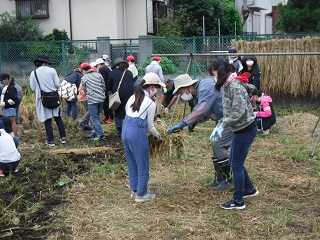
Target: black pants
{"x":108,"y":113}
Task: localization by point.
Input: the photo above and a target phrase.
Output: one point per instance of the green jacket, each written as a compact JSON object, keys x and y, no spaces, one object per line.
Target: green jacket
{"x":237,"y":108}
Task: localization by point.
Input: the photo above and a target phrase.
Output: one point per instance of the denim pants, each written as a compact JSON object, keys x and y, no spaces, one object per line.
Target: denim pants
{"x":239,"y":150}
{"x":72,"y":106}
{"x":118,"y":122}
{"x":95,"y":110}
{"x":49,"y":130}
{"x":136,"y":146}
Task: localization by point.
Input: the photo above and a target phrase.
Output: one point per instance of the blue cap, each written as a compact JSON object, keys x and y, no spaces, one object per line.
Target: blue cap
{"x":232,"y":50}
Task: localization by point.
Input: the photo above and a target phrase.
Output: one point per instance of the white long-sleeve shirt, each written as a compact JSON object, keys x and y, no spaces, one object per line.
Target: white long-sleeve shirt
{"x":146,"y":103}
{"x":8,"y":150}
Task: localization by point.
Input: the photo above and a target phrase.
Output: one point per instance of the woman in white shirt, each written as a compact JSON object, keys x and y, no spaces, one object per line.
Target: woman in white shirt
{"x":9,"y":155}
{"x":140,"y":110}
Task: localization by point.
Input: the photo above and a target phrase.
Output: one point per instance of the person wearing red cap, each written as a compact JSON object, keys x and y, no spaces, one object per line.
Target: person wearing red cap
{"x":155,"y":67}
{"x":132,"y":67}
{"x":94,"y":87}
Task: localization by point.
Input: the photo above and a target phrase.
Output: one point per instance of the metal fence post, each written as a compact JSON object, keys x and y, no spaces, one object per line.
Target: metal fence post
{"x":64,"y":64}
{"x":194,"y":49}
{"x":130,"y":46}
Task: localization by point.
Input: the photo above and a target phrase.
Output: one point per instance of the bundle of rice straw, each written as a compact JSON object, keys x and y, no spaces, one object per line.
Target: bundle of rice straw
{"x":169,"y":144}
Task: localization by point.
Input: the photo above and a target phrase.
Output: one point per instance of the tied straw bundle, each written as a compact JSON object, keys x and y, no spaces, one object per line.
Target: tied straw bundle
{"x":168,"y":144}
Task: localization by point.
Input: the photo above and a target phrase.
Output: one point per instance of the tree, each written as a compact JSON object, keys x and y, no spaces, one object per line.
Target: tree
{"x":57,"y":35}
{"x":299,"y":16}
{"x":191,"y":13}
{"x":18,"y":28}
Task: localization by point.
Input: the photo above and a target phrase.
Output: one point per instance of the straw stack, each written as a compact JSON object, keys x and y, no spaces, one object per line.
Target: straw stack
{"x":296,"y":75}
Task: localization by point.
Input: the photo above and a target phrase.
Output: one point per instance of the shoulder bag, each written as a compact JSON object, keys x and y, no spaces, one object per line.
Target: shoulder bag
{"x":49,"y":100}
{"x":114,"y":99}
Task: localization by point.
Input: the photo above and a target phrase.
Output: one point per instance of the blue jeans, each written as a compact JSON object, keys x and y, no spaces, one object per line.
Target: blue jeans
{"x":95,"y":110}
{"x":73,"y":107}
{"x":118,"y":122}
{"x":239,"y":150}
{"x":49,"y":130}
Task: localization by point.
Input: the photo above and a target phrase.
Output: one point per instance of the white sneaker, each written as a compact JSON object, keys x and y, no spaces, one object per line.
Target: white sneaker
{"x":266,"y":132}
{"x":146,"y":197}
{"x":133,"y":193}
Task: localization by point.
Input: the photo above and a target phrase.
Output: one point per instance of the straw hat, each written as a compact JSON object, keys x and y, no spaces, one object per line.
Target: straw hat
{"x":183,"y":80}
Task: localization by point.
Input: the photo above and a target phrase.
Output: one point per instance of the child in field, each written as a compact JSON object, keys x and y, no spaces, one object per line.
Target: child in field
{"x":140,"y":110}
{"x":9,"y":100}
{"x":9,"y":155}
{"x":264,"y":112}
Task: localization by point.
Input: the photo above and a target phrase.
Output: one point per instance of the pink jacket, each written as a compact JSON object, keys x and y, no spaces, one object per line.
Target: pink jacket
{"x":265,"y":109}
{"x":82,"y":97}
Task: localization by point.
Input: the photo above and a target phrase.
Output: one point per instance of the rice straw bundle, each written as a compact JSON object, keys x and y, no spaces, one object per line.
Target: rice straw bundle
{"x":169,"y":145}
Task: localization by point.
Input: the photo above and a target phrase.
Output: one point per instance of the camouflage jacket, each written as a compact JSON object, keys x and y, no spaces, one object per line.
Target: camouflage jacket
{"x":237,"y":108}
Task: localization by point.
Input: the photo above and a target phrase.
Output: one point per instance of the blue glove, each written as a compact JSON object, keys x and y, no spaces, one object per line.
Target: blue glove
{"x":177,"y":127}
{"x":216,"y":133}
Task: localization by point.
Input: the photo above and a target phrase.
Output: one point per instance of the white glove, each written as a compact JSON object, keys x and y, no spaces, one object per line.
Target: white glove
{"x":165,"y":90}
{"x":216,"y":133}
{"x":166,"y":110}
{"x":2,"y":104}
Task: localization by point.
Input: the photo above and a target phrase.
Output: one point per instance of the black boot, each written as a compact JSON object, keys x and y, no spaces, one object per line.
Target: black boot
{"x":225,"y":169}
{"x":218,"y":176}
{"x":119,"y":132}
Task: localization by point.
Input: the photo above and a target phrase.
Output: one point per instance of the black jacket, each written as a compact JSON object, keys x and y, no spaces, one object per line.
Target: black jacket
{"x":254,"y":71}
{"x":105,"y":71}
{"x":11,"y":93}
{"x":125,"y":91}
{"x":74,"y":78}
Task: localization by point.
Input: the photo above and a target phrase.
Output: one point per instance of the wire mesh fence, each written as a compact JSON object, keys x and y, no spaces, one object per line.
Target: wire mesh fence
{"x":16,"y":58}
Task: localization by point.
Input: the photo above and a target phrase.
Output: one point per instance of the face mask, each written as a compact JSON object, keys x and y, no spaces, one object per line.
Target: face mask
{"x":187,"y":97}
{"x":169,"y":89}
{"x":4,"y":83}
{"x":230,"y":61}
{"x":153,"y":92}
{"x":249,"y":63}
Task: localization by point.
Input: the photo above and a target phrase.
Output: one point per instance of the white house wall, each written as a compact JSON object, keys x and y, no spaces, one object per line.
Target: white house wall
{"x":136,"y":18}
{"x":92,"y":19}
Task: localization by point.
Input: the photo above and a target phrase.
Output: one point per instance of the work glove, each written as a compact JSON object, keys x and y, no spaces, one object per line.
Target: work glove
{"x":2,"y":104}
{"x":176,"y":127}
{"x":191,"y":127}
{"x":216,"y":133}
{"x":166,"y":110}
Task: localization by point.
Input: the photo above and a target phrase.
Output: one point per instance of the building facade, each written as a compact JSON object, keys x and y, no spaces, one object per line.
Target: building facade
{"x":81,"y":19}
{"x":259,"y":16}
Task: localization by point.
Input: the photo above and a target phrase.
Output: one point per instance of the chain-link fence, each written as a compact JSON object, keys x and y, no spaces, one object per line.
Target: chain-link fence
{"x":16,"y":58}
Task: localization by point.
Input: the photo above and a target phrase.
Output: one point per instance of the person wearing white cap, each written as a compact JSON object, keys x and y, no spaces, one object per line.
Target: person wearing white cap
{"x":209,"y":106}
{"x":140,"y":111}
{"x":105,"y":71}
{"x":107,"y":60}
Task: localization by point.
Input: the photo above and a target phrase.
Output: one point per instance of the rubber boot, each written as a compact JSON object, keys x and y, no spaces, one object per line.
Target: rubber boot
{"x":225,"y":169}
{"x":218,"y":176}
{"x":119,"y":132}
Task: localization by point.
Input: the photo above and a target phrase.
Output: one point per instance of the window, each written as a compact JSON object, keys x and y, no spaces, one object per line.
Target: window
{"x":155,"y":9}
{"x":33,"y":8}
